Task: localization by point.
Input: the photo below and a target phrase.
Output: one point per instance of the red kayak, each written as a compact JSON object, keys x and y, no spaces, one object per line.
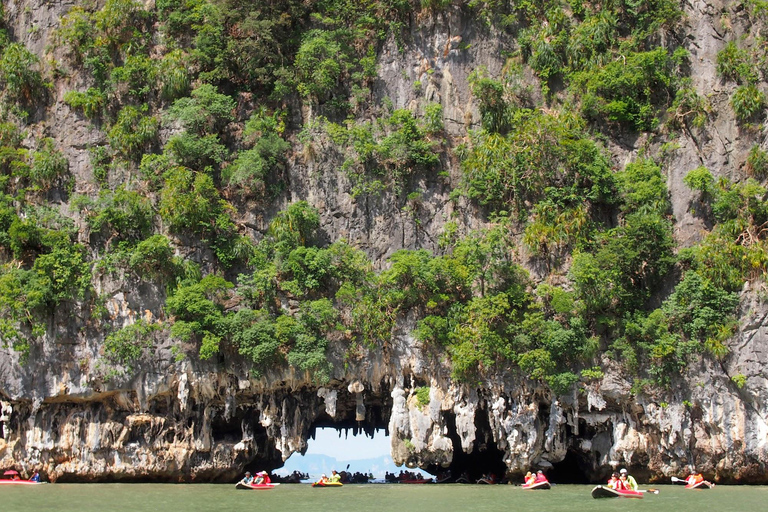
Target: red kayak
{"x":603,"y":491}
{"x":20,"y":482}
{"x":241,"y":485}
{"x":700,"y":485}
{"x":537,"y":485}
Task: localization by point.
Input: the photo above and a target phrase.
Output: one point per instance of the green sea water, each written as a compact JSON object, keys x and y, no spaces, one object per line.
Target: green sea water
{"x":366,"y":498}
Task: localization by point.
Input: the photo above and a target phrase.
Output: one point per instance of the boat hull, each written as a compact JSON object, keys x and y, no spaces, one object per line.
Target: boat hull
{"x":327,"y":484}
{"x":542,"y":486}
{"x":701,"y":485}
{"x":601,"y":491}
{"x":255,"y":487}
{"x":20,"y":482}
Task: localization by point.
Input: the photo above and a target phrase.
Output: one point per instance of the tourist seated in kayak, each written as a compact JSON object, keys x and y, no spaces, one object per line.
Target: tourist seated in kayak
{"x":323,"y":479}
{"x":335,"y":477}
{"x":540,"y":477}
{"x":247,"y":479}
{"x":530,"y":478}
{"x":629,"y":481}
{"x":261,"y":478}
{"x":696,"y":478}
{"x":35,"y":477}
{"x":616,"y":483}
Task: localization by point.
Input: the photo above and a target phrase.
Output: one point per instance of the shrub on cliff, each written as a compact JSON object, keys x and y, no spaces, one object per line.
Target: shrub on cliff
{"x":20,"y":77}
{"x":199,"y":312}
{"x":124,"y":347}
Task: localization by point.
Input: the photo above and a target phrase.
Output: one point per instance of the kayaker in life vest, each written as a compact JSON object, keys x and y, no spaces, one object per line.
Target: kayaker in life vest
{"x":335,"y":477}
{"x":530,"y":478}
{"x":629,"y":480}
{"x":616,"y":483}
{"x":696,"y":478}
{"x":540,"y":477}
{"x":261,"y":478}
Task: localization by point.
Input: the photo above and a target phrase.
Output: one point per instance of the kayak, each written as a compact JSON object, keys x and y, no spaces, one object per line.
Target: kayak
{"x":241,"y":485}
{"x":327,"y":484}
{"x":603,"y":491}
{"x":20,"y":482}
{"x":699,"y":485}
{"x":538,"y":485}
{"x":419,"y":481}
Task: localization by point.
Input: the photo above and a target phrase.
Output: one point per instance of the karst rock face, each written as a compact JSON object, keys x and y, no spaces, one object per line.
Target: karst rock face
{"x":192,"y":420}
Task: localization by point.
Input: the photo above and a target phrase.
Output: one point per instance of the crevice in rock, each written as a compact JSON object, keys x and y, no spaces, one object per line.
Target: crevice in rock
{"x":485,"y":457}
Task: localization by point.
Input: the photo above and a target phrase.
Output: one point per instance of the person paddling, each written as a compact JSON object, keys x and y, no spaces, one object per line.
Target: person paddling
{"x":696,"y":478}
{"x":629,"y":481}
{"x":247,"y":479}
{"x":540,"y":477}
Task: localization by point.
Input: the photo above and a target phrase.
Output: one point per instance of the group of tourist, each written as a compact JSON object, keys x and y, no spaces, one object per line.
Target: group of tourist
{"x":14,"y":475}
{"x":262,"y":477}
{"x":535,"y":478}
{"x":404,"y":476}
{"x":335,"y":478}
{"x":621,"y":480}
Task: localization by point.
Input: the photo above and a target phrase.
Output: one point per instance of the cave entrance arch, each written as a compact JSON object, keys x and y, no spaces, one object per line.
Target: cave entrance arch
{"x":575,"y":468}
{"x":348,"y":432}
{"x":345,"y":450}
{"x":485,"y":458}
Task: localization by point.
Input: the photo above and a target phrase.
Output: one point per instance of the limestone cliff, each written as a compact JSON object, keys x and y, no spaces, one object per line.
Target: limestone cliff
{"x":184,"y":419}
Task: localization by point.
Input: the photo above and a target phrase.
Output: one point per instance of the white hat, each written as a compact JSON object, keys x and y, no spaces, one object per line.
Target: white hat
{"x":623,"y":470}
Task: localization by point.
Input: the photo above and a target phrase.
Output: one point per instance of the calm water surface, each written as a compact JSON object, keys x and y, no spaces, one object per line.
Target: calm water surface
{"x":366,"y":498}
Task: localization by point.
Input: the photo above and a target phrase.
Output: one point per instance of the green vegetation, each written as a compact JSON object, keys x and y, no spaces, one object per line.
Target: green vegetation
{"x":125,"y":346}
{"x":384,"y":154}
{"x":422,"y":396}
{"x":20,"y":76}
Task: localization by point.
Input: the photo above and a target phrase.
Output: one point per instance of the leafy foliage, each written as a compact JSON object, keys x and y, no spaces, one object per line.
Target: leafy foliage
{"x":266,"y":156}
{"x":125,"y":346}
{"x":19,"y":75}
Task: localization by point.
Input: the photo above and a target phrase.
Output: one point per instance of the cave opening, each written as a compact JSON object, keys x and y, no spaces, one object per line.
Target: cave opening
{"x":330,"y":448}
{"x":485,"y":458}
{"x":351,"y":436}
{"x":575,"y":468}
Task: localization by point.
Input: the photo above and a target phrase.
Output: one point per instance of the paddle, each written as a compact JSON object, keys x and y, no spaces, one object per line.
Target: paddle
{"x":652,"y":491}
{"x":678,"y":480}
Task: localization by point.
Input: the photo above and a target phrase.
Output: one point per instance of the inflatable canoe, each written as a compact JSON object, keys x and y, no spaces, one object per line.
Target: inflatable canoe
{"x":699,"y":485}
{"x":20,"y":482}
{"x":417,"y":481}
{"x":327,"y":484}
{"x":241,"y":485}
{"x":603,"y":491}
{"x":538,"y":485}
